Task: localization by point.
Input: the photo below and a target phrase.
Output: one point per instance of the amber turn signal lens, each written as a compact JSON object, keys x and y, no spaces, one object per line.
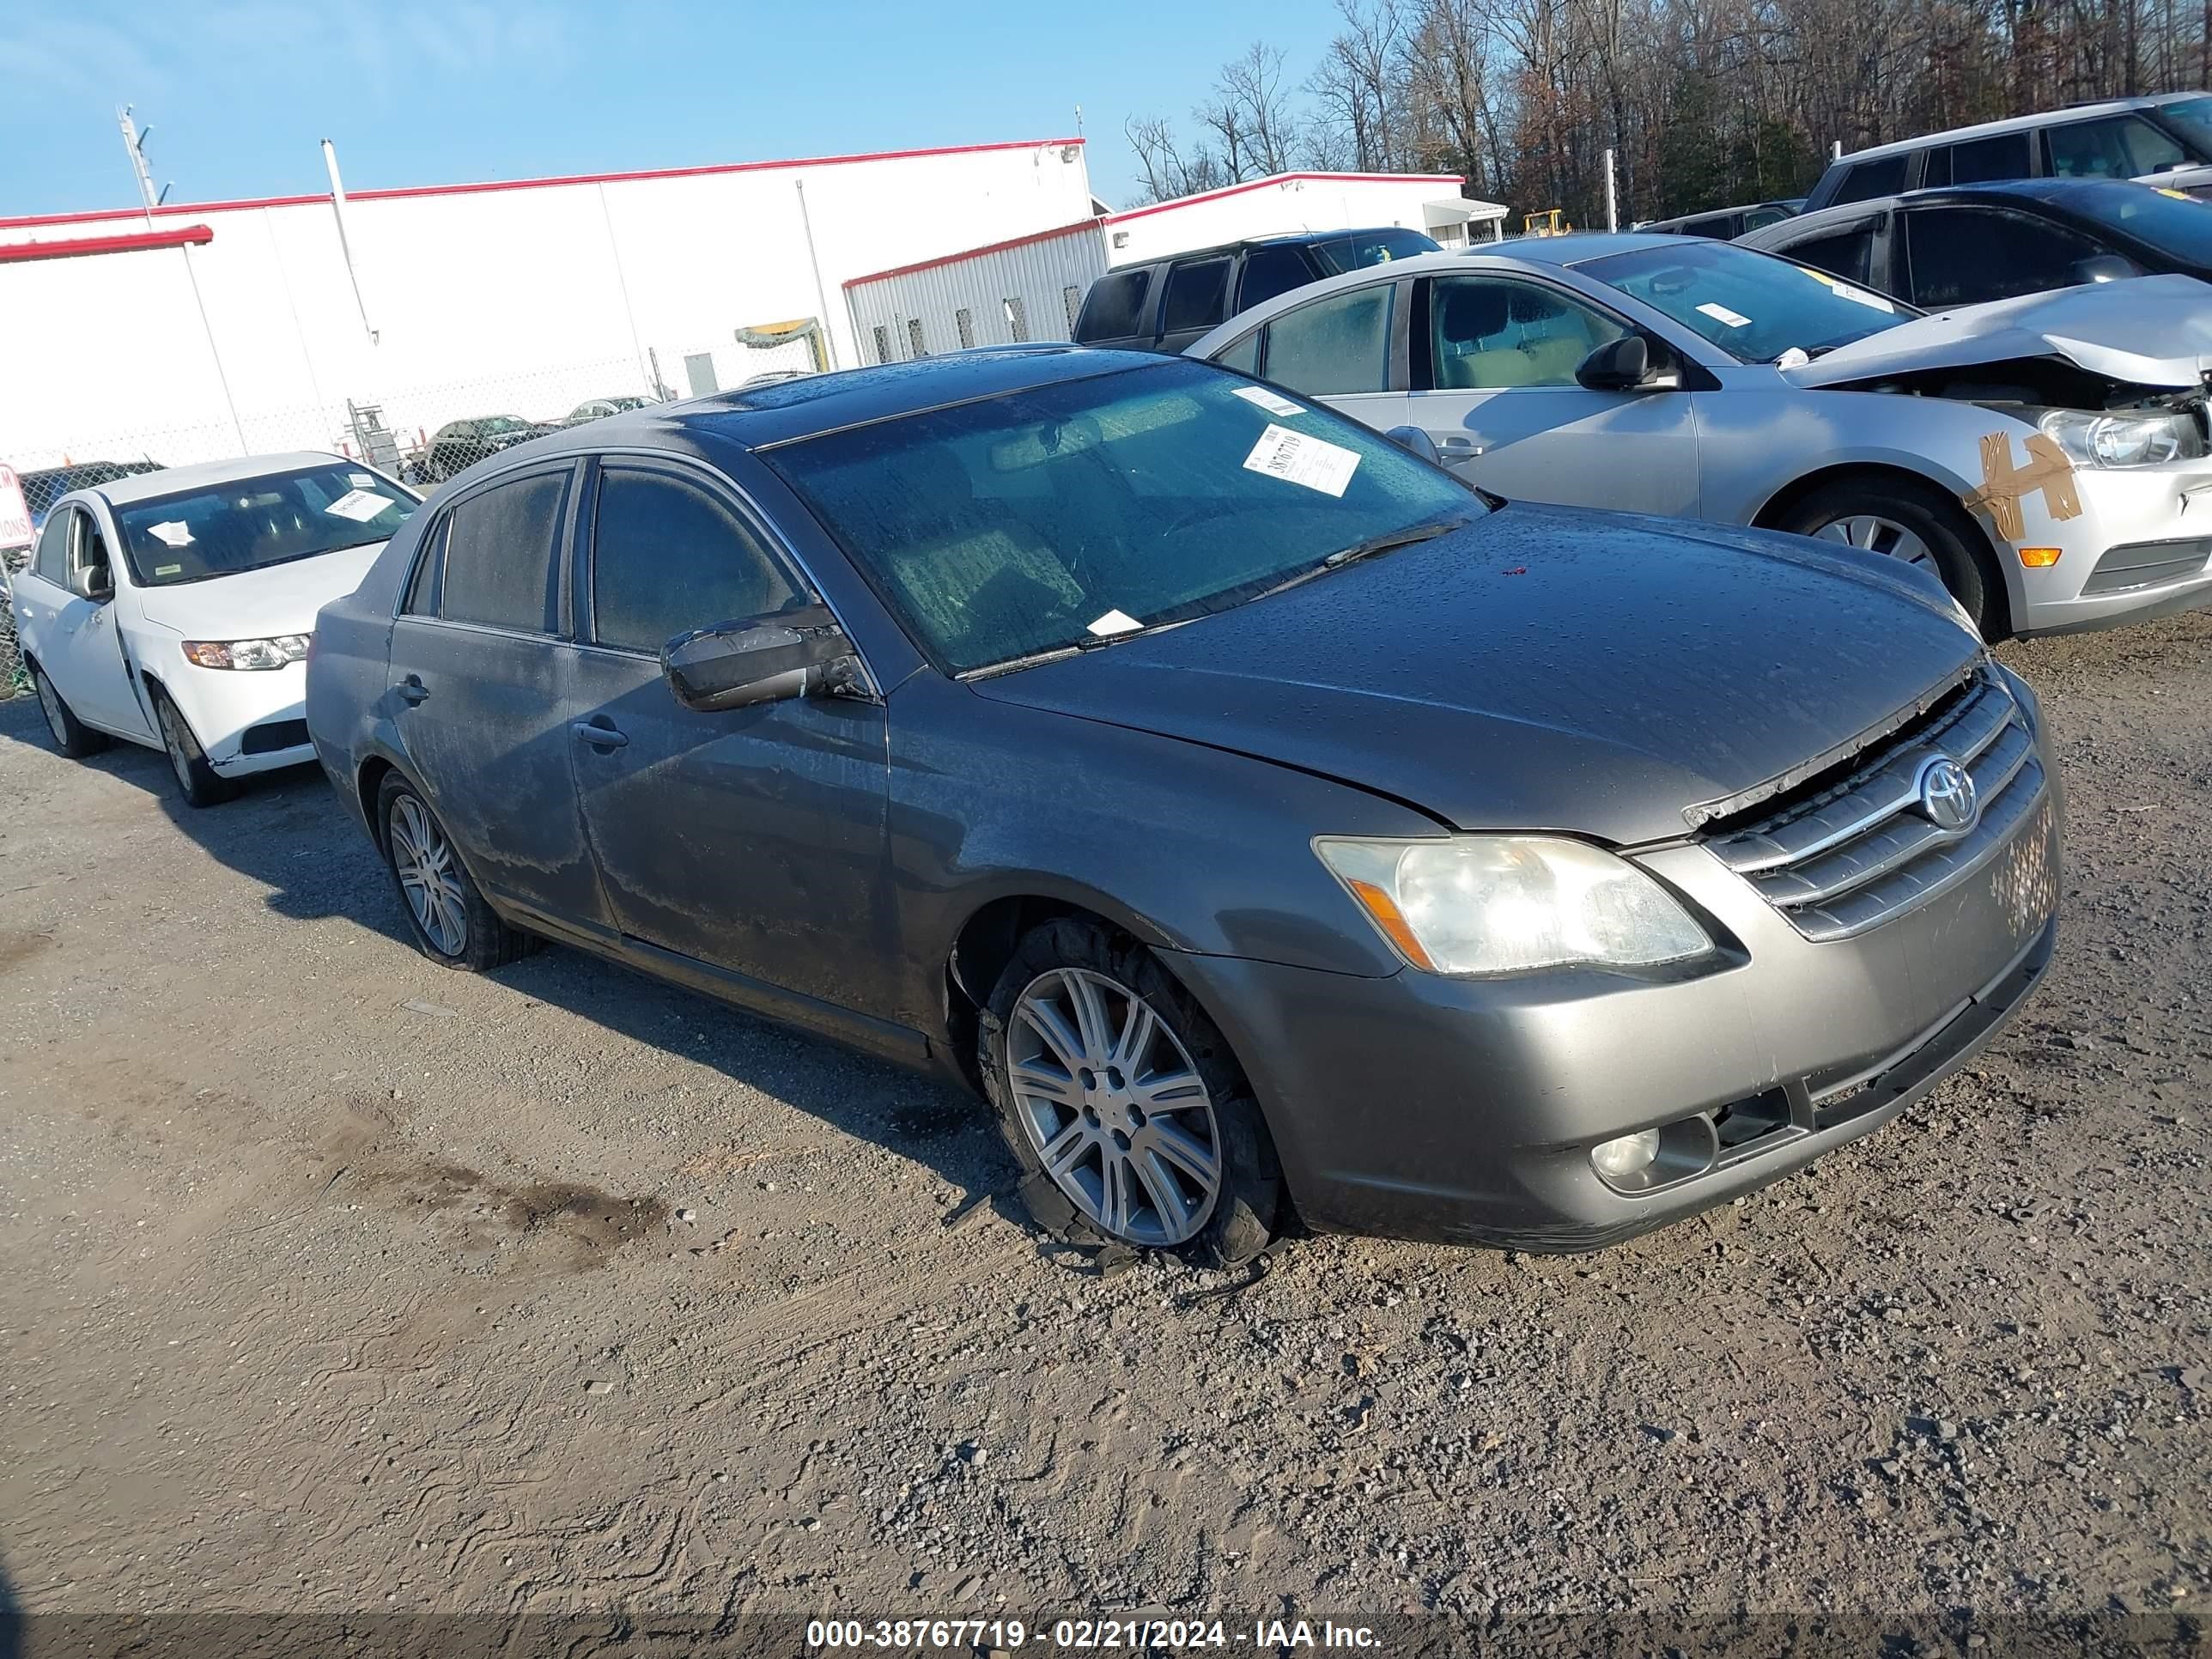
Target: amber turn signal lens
{"x":2040,"y":558}
{"x":1392,"y":920}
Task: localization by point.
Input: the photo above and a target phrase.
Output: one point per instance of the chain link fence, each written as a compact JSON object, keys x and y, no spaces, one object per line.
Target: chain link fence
{"x":423,"y":435}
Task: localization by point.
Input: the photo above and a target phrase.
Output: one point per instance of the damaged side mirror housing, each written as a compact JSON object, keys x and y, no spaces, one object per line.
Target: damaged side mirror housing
{"x":735,"y":664}
{"x":1627,"y":365}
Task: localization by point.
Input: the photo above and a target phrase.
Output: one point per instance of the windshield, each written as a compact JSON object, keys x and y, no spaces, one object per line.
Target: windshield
{"x":1068,"y":514}
{"x":2176,"y":225}
{"x":256,"y":522}
{"x":1370,"y":247}
{"x":492,"y":425}
{"x":1754,"y":305}
{"x":2192,"y":118}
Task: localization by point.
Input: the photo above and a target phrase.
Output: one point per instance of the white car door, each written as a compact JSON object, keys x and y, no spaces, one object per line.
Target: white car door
{"x":1337,"y":350}
{"x":76,"y":640}
{"x":1493,"y":364}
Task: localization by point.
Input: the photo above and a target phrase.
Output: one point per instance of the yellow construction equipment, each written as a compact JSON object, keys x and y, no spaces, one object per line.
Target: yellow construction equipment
{"x":1552,"y":222}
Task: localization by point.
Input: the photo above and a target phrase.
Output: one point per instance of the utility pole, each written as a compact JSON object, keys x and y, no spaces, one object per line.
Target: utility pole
{"x":135,"y":142}
{"x":1612,"y":199}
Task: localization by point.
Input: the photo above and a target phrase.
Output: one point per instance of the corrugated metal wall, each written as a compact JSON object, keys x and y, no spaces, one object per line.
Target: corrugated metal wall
{"x":1025,"y":290}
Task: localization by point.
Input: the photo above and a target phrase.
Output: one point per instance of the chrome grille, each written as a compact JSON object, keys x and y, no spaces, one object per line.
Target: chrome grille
{"x":1858,"y":849}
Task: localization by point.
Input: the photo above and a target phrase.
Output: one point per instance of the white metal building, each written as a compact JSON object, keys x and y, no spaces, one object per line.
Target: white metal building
{"x":1288,"y":202}
{"x":458,"y":301}
{"x":1028,"y":288}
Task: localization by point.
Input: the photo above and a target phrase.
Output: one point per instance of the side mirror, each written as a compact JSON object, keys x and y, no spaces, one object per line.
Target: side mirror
{"x":1418,"y":441}
{"x":735,"y":664}
{"x":92,"y":581}
{"x":1625,"y":365}
{"x":2104,"y":268}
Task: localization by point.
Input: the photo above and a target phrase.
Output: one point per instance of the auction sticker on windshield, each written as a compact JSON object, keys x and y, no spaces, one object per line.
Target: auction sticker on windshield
{"x":359,"y":505}
{"x":1273,"y":401}
{"x":1300,"y":459}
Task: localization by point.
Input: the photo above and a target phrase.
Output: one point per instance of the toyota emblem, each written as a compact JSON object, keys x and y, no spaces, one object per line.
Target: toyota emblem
{"x":1946,"y":795}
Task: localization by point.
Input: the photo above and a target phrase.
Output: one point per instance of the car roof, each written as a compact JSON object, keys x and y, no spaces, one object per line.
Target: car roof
{"x":1280,"y":239}
{"x":2052,"y":193}
{"x":2014,"y":124}
{"x":786,"y":411}
{"x":178,"y":480}
{"x":1574,"y":248}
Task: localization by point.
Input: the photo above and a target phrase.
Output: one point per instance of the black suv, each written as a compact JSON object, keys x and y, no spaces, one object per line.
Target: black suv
{"x":1726,"y":224}
{"x":1165,"y":305}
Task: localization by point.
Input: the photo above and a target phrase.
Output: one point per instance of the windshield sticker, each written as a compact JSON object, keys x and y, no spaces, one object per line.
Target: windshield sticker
{"x":168,"y":569}
{"x":1273,"y":401}
{"x":359,"y":505}
{"x":1845,"y":291}
{"x":2004,"y":488}
{"x":1296,"y":459}
{"x":1725,"y":316}
{"x":1115,"y":622}
{"x":361,"y":480}
{"x":174,"y":533}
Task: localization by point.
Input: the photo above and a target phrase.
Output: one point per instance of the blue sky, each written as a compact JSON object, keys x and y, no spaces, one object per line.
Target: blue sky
{"x":238,"y":92}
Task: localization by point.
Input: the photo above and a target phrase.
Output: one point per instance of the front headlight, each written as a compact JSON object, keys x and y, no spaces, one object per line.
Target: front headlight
{"x":2131,"y":439}
{"x":278,"y":652}
{"x":1510,"y":904}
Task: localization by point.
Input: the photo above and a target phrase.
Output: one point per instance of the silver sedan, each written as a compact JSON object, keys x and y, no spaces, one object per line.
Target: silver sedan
{"x":2041,"y":454}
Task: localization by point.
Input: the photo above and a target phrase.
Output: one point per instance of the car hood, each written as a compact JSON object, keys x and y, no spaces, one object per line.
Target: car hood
{"x":258,"y":604}
{"x":1542,"y":669}
{"x":2148,"y":331}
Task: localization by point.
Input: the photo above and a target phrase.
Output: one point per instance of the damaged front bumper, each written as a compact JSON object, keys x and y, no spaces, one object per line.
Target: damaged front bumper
{"x":2140,"y":547}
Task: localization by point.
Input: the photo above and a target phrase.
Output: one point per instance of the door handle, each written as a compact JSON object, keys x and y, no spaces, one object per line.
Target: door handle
{"x":598,"y":735}
{"x":411,"y":690}
{"x":1459,"y":444}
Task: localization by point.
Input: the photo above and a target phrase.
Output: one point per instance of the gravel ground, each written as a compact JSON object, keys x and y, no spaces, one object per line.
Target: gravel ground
{"x":336,"y":1282}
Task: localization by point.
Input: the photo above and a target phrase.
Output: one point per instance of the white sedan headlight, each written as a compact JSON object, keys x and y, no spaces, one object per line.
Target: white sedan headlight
{"x":278,"y":652}
{"x":1510,"y":904}
{"x":2130,"y":440}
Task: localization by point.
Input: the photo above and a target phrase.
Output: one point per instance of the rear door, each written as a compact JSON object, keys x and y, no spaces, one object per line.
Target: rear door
{"x":1963,"y":255}
{"x":1493,"y":363}
{"x":481,"y":682}
{"x":750,"y":839}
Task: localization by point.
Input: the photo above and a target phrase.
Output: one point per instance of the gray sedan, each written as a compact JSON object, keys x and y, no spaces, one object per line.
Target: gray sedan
{"x":1264,"y":821}
{"x":2040,"y":454}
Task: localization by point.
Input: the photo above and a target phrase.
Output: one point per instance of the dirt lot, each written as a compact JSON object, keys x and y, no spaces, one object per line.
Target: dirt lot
{"x":336,"y":1282}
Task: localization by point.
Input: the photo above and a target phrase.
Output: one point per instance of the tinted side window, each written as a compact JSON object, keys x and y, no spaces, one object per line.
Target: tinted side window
{"x":1337,"y":345}
{"x":2118,"y":147}
{"x":1115,"y":306}
{"x":668,"y":556}
{"x":1848,"y":253}
{"x":1244,"y":354}
{"x":52,"y":559}
{"x":1872,"y":179}
{"x":1486,"y":333}
{"x":1195,"y":295}
{"x":1760,"y":218}
{"x":422,"y":598}
{"x":2003,"y":156}
{"x":1269,"y":271}
{"x":1961,"y":256}
{"x":500,"y":569}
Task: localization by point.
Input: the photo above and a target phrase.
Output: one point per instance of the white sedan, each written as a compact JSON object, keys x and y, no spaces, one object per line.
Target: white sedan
{"x":174,"y":608}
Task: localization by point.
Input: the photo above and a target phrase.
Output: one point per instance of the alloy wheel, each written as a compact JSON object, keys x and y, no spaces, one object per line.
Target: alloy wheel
{"x":1873,"y":533}
{"x":172,"y":740}
{"x":1114,"y":1107}
{"x":429,"y":877}
{"x":51,"y":700}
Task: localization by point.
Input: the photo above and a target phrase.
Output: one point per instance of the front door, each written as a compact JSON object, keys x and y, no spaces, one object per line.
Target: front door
{"x":1495,"y":388}
{"x":480,"y":691}
{"x":76,"y":640}
{"x":751,"y":839}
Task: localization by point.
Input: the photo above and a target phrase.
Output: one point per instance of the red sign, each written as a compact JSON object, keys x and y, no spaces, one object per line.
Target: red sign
{"x":14,"y":512}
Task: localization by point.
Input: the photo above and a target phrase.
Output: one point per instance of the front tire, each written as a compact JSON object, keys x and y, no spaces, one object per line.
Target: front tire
{"x":72,"y":736}
{"x":448,"y":916}
{"x":1122,"y":1102}
{"x":200,"y":784}
{"x":1904,"y":519}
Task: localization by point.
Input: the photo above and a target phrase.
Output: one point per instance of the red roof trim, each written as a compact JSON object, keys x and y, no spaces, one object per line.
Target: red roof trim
{"x":403,"y":191}
{"x":974,"y":252}
{"x":78,"y":248}
{"x":1451,"y":178}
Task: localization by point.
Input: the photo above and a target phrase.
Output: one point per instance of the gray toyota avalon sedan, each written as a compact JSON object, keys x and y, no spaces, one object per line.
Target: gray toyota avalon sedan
{"x":1264,"y":821}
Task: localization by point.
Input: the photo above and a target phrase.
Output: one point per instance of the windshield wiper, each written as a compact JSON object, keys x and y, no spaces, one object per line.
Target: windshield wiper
{"x":1396,"y":538}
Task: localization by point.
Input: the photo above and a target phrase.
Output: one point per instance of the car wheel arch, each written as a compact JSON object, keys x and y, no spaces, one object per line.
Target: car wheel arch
{"x":1996,"y":570}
